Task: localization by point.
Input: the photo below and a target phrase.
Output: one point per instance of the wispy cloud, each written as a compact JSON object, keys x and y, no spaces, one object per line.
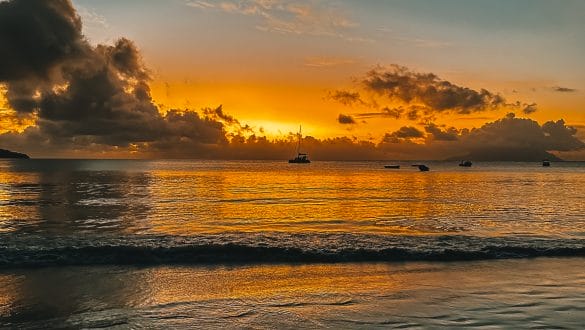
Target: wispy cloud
{"x":346,"y":97}
{"x":325,"y":62}
{"x":564,"y":89}
{"x":90,"y":17}
{"x":320,"y":18}
{"x":200,"y":4}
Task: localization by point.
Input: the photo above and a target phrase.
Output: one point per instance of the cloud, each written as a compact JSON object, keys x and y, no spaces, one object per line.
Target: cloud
{"x":86,"y":100}
{"x":564,"y":89}
{"x":386,"y":112}
{"x":420,"y":97}
{"x":36,"y":36}
{"x":327,"y":62}
{"x":508,"y":138}
{"x":322,"y":18}
{"x":426,"y":89}
{"x":345,"y":119}
{"x":200,"y":4}
{"x":90,"y":16}
{"x":512,"y":138}
{"x":403,"y":134}
{"x":79,"y":95}
{"x":529,"y":108}
{"x":438,"y":134}
{"x":346,"y":97}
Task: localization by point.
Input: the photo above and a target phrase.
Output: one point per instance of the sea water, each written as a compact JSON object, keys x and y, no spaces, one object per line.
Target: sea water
{"x":267,"y":244}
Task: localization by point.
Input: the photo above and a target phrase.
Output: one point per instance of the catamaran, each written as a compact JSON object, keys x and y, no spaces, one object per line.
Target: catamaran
{"x":301,"y":158}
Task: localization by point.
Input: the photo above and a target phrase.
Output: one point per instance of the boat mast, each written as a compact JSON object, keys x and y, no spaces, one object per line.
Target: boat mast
{"x":300,"y":137}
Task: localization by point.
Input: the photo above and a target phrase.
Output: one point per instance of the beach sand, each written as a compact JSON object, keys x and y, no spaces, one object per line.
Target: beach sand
{"x":515,"y":293}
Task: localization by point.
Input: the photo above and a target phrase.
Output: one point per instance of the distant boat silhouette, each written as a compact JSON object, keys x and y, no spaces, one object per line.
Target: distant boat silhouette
{"x":421,"y":167}
{"x":301,"y":158}
{"x":392,"y":166}
{"x":465,"y":163}
{"x":546,"y":163}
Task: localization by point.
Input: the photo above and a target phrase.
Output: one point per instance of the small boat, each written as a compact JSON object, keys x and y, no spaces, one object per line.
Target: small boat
{"x":422,"y":167}
{"x":465,"y":163}
{"x":546,"y":163}
{"x":301,"y":158}
{"x":392,"y":166}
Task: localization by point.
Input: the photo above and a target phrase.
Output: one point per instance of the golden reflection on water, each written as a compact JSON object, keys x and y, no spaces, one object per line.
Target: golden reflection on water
{"x":186,"y":198}
{"x":12,"y":215}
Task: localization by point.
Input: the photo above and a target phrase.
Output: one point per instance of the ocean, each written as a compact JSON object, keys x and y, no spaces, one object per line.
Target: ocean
{"x":267,"y":244}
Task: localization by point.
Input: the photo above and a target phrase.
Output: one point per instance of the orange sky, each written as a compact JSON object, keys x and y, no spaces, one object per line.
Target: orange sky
{"x":271,"y":64}
{"x":274,"y":65}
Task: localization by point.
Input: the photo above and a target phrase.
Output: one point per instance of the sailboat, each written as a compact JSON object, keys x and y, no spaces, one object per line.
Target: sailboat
{"x":301,"y":158}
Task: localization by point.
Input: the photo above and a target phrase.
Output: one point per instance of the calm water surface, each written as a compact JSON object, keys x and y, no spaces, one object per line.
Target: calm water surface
{"x":183,"y":198}
{"x":240,"y":244}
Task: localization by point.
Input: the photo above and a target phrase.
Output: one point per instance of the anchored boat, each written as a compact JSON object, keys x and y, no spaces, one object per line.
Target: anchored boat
{"x":301,"y":158}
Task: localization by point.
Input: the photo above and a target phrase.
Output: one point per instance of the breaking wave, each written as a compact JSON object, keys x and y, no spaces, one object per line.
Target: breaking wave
{"x":37,"y":251}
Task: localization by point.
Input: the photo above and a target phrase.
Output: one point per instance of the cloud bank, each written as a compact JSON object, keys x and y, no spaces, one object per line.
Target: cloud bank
{"x":81,"y":95}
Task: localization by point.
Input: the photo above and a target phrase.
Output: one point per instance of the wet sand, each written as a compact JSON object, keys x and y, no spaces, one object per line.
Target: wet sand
{"x":520,"y":293}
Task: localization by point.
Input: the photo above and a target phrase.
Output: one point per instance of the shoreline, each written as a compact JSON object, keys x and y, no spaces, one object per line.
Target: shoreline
{"x":545,"y":292}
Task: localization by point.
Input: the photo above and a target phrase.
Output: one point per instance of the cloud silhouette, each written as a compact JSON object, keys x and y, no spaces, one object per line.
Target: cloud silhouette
{"x":529,"y":108}
{"x":403,"y":134}
{"x":438,"y":134}
{"x":345,"y":119}
{"x":82,"y":95}
{"x":387,"y":112}
{"x":426,"y":89}
{"x":512,"y":138}
{"x":564,"y":89}
{"x":346,"y":97}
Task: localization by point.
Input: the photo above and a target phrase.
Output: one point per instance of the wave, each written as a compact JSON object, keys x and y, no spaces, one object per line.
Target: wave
{"x":277,"y":248}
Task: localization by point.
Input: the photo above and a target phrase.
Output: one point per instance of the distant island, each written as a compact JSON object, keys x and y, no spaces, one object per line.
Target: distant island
{"x":11,"y":154}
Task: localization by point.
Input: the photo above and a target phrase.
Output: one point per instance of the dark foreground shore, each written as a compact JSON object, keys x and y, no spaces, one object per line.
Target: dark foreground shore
{"x":520,"y":293}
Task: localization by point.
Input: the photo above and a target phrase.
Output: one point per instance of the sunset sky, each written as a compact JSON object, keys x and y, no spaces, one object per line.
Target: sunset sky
{"x":402,"y":79}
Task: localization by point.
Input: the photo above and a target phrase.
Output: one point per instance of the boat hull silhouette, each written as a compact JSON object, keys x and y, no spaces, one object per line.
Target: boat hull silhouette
{"x":300,"y":159}
{"x":466,"y":163}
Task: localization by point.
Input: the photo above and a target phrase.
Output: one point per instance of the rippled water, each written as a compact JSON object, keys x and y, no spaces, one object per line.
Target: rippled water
{"x":185,"y":198}
{"x":95,"y":223}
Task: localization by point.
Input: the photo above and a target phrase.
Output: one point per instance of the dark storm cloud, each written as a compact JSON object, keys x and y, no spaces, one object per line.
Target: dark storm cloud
{"x":400,"y":83}
{"x":84,"y":95}
{"x":564,"y":89}
{"x":345,"y":119}
{"x":37,"y":35}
